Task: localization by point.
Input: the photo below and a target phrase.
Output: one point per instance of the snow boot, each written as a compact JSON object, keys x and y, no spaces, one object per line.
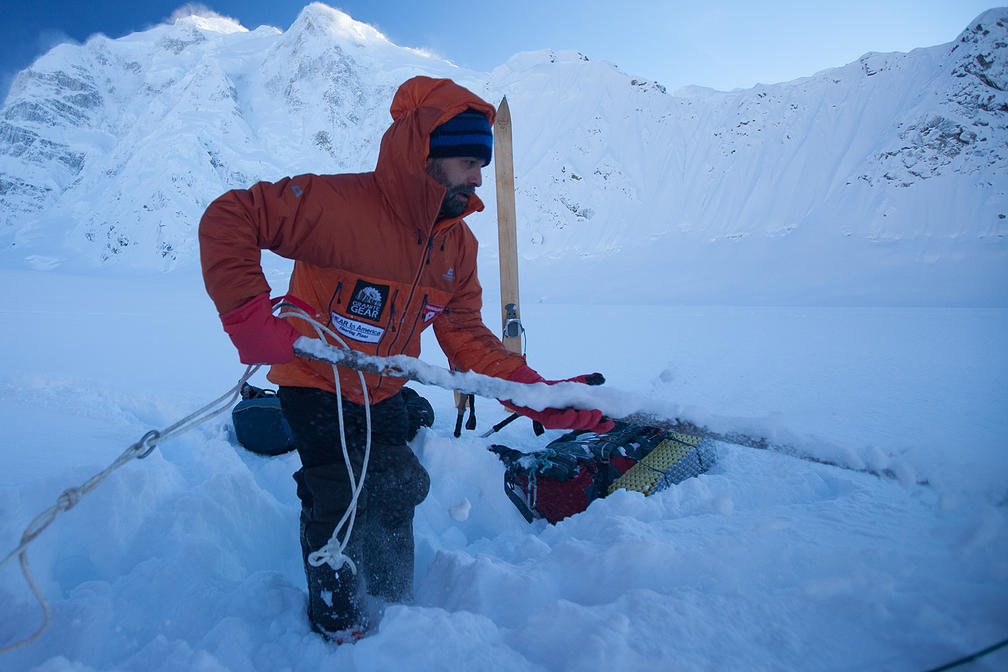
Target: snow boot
{"x":334,"y":608}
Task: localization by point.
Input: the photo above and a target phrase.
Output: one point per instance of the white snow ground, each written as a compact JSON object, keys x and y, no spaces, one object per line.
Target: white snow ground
{"x":189,"y":560}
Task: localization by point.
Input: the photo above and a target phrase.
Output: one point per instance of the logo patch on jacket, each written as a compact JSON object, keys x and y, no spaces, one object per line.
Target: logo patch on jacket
{"x":368,"y":300}
{"x":357,"y":330}
{"x":432,"y":310}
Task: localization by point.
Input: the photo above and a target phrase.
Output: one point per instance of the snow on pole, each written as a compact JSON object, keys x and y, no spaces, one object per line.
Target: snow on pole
{"x":619,"y":405}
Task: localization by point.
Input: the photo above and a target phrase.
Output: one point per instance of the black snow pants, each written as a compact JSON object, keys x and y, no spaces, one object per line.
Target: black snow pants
{"x":381,"y":543}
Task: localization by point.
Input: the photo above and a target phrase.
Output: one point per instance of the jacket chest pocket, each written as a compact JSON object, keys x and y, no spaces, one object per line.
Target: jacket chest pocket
{"x":435,"y":302}
{"x":364,"y":309}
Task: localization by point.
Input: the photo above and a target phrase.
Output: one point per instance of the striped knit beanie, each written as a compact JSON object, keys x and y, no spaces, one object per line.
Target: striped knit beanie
{"x":465,"y":134}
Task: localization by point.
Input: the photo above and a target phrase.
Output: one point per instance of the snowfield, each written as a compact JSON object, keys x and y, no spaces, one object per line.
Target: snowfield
{"x":822,"y":262}
{"x":189,"y":559}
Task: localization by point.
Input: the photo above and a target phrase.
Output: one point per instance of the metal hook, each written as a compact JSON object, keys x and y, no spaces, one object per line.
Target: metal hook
{"x":146,"y":442}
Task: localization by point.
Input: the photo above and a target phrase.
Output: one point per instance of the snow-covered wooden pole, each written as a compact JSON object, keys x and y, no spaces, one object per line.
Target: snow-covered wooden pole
{"x":619,"y":405}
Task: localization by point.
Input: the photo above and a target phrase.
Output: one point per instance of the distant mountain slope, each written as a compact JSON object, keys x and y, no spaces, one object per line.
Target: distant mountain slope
{"x":882,"y":181}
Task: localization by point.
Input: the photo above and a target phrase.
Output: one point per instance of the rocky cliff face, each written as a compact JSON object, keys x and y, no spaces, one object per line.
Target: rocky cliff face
{"x":961,"y":125}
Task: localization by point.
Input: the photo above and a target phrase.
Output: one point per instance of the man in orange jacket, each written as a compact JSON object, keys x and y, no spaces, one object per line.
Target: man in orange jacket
{"x":380,"y":256}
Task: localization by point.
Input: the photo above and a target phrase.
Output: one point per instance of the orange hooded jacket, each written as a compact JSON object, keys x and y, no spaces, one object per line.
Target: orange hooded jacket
{"x":370,"y":255}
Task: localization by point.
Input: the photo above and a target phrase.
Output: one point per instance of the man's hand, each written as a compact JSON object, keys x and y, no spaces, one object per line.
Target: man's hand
{"x":562,"y":418}
{"x":261,"y":338}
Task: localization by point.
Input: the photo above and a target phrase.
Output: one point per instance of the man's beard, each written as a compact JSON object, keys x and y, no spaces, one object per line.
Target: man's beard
{"x":451,"y":204}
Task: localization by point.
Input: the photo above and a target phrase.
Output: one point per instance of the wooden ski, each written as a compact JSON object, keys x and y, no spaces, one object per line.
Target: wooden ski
{"x":507,"y":245}
{"x":507,"y":240}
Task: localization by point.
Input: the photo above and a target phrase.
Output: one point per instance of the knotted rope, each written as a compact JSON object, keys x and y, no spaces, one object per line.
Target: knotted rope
{"x":71,"y":496}
{"x":333,"y":553}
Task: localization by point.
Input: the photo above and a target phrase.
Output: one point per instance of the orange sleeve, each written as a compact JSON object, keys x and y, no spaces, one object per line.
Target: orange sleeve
{"x":277,"y":216}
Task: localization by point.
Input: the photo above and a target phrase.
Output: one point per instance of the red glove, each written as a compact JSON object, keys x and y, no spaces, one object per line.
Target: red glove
{"x":557,"y":418}
{"x":261,"y":338}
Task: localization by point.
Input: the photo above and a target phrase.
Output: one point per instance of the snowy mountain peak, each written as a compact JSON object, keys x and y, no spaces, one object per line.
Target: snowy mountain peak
{"x":526,"y":60}
{"x":982,"y":50}
{"x":985,"y":25}
{"x":209,"y":21}
{"x":319,"y":21}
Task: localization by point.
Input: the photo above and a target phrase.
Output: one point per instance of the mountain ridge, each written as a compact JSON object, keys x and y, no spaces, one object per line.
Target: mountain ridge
{"x":893,"y":165}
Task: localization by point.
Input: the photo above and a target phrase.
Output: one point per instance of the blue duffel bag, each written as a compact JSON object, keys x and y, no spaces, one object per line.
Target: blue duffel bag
{"x":259,"y":423}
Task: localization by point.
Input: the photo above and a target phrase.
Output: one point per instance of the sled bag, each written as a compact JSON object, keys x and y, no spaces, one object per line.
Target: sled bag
{"x":569,"y":473}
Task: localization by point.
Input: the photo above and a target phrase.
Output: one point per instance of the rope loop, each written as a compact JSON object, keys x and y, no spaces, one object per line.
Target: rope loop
{"x":69,"y":498}
{"x":147,"y":444}
{"x":333,"y":552}
{"x":325,"y":556}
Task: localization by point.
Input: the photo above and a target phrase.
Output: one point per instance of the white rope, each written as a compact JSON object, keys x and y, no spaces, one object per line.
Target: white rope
{"x":333,"y":553}
{"x":70,"y":497}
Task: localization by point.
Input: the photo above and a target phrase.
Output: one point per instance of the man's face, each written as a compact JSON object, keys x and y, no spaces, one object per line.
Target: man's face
{"x":460,"y":175}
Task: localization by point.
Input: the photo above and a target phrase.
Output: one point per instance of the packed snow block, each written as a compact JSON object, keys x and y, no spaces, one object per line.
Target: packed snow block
{"x":569,"y":473}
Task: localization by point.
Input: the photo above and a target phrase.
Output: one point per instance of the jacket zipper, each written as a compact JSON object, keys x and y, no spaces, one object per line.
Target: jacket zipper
{"x":416,"y":283}
{"x":418,"y":318}
{"x":389,"y":326}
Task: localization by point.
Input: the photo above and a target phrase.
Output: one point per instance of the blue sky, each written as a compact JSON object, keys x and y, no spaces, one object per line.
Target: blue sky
{"x":725,"y":45}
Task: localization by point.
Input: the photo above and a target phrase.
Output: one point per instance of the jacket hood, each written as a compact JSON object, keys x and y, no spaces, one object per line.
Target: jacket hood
{"x":420,"y":105}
